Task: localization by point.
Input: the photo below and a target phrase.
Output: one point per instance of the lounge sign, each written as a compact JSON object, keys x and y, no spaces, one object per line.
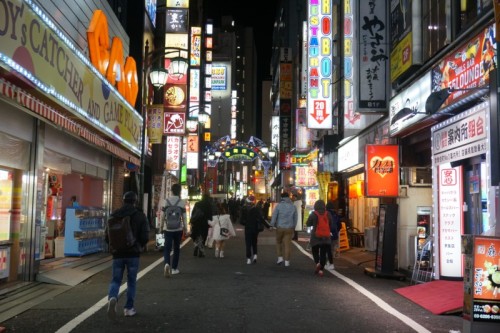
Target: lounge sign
{"x":382,"y":170}
{"x":33,"y":46}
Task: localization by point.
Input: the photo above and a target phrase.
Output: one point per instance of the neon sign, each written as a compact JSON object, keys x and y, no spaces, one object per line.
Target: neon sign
{"x":320,"y":66}
{"x":109,"y":61}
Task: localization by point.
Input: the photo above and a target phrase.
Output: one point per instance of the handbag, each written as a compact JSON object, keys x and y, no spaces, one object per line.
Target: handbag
{"x":224,"y":232}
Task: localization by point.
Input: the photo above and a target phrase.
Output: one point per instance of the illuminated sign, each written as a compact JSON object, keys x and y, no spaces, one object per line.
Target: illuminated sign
{"x":175,"y":123}
{"x":66,"y":75}
{"x":319,"y":67}
{"x":467,"y":67}
{"x":373,"y":59}
{"x":450,"y":200}
{"x":108,"y":59}
{"x":174,"y":144}
{"x":382,"y":170}
{"x":219,"y":77}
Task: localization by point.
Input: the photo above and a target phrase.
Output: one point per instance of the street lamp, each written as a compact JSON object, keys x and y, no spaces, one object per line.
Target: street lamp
{"x":158,"y":77}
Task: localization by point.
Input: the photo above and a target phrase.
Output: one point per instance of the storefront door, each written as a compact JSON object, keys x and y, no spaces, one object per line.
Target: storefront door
{"x":475,"y":197}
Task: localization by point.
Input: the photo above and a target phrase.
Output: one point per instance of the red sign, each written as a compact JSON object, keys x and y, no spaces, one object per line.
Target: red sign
{"x":174,"y":123}
{"x":382,"y":170}
{"x":467,"y":67}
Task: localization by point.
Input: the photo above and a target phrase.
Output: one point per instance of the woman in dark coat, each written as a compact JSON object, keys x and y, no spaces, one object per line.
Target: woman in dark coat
{"x":199,"y":227}
{"x":251,"y":217}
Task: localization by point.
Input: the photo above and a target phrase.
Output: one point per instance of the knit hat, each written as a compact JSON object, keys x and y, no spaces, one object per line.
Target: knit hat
{"x":250,"y":199}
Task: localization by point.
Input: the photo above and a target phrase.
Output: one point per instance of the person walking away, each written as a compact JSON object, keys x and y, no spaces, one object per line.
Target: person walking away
{"x":199,"y":232}
{"x":222,"y":230}
{"x":176,"y":208}
{"x":251,"y":217}
{"x":336,"y":226}
{"x":126,"y":251}
{"x":284,"y":219}
{"x":297,"y":202}
{"x":321,"y":222}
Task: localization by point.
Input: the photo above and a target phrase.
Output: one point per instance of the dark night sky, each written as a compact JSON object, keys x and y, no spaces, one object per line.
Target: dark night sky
{"x":257,"y":14}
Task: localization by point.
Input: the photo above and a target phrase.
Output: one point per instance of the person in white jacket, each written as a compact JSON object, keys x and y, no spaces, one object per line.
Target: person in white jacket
{"x":222,"y":230}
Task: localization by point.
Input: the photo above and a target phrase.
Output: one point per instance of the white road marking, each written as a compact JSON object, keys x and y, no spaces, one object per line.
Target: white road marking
{"x":377,"y":300}
{"x":69,"y":326}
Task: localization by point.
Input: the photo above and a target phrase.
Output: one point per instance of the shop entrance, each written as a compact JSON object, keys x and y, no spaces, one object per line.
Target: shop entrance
{"x":475,"y":196}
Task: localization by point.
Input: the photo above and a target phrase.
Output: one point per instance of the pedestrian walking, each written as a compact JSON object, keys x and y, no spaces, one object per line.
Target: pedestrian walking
{"x":335,"y":230}
{"x":127,"y":239}
{"x":200,"y":226}
{"x":321,"y":222}
{"x":284,"y":219}
{"x":173,"y":226}
{"x":251,"y":217}
{"x":222,"y":230}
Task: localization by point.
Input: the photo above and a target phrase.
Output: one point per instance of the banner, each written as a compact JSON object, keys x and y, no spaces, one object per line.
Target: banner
{"x":155,"y":123}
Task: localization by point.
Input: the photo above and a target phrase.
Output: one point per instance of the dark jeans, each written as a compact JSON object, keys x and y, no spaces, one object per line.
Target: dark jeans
{"x":118,"y":268}
{"x":251,"y":243}
{"x":172,"y":238}
{"x":319,"y":253}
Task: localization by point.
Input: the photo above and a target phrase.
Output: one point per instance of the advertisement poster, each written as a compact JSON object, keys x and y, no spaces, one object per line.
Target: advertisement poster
{"x":467,"y":67}
{"x":155,"y":123}
{"x":486,"y":277}
{"x":382,"y":173}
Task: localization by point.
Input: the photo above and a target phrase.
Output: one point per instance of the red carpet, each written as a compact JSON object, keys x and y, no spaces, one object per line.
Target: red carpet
{"x":438,"y":296}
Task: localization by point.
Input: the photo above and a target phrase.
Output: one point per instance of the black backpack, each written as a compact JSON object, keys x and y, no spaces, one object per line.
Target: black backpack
{"x":173,"y":216}
{"x":120,"y":234}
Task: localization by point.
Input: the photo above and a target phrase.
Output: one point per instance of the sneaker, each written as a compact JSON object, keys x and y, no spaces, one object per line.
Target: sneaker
{"x":221,"y":254}
{"x":249,"y":261}
{"x":129,"y":312}
{"x":287,"y":263}
{"x":112,"y":308}
{"x":320,"y":273}
{"x":280,"y":261}
{"x":175,"y":271}
{"x":167,"y":271}
{"x":330,"y":266}
{"x":254,"y":258}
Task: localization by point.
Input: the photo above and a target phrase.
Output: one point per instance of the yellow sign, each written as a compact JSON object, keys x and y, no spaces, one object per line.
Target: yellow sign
{"x":401,"y":57}
{"x":57,"y":69}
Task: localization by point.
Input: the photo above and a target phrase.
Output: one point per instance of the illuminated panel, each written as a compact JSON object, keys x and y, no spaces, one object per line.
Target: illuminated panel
{"x":319,"y":66}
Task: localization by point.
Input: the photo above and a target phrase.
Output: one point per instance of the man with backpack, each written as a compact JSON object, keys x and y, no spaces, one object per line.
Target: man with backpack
{"x":127,"y":234}
{"x":173,"y":226}
{"x":321,"y":222}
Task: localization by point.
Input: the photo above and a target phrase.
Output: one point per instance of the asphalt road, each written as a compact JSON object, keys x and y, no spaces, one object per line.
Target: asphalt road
{"x":227,"y":295}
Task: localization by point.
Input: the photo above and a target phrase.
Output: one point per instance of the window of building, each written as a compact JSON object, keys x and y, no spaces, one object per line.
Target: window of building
{"x":469,"y":12}
{"x":435,"y":27}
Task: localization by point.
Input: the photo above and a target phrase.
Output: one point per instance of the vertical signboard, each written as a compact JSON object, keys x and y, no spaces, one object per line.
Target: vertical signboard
{"x":174,"y":144}
{"x":372,"y":58}
{"x":481,"y":281}
{"x":286,"y":99}
{"x":319,"y":66}
{"x":450,"y":198}
{"x":382,"y":170}
{"x":155,"y":123}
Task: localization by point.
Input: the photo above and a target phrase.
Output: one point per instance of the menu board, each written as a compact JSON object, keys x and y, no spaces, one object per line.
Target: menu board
{"x":481,"y":278}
